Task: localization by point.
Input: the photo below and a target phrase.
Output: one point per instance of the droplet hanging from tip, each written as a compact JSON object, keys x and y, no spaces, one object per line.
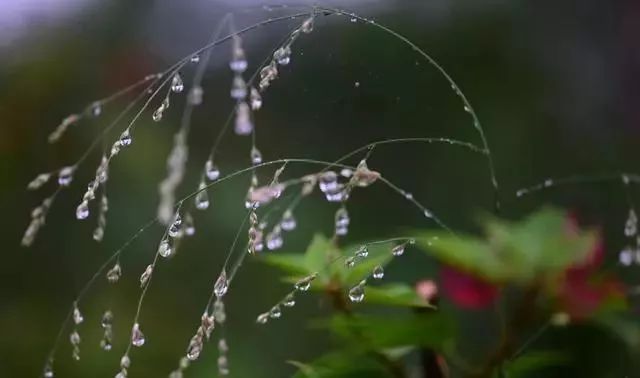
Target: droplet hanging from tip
{"x":137,"y":337}
{"x":378,"y":272}
{"x":65,"y":176}
{"x":221,"y":285}
{"x":176,"y":83}
{"x":211,"y":170}
{"x":288,"y":222}
{"x":202,"y":198}
{"x":164,"y":249}
{"x":356,"y":293}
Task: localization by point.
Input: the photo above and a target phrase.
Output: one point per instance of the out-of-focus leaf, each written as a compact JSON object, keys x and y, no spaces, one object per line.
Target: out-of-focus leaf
{"x":541,"y":245}
{"x":304,"y":369}
{"x":432,"y":330}
{"x":342,"y":364}
{"x":535,"y":360}
{"x":395,"y":294}
{"x":628,"y":330}
{"x":290,"y":263}
{"x":319,"y":254}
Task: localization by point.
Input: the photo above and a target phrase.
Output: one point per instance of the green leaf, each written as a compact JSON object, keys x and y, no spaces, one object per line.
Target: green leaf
{"x":627,"y":329}
{"x":535,"y":360}
{"x":290,"y":263}
{"x":342,"y":364}
{"x":395,"y":294}
{"x":429,"y":329}
{"x":540,"y":246}
{"x":319,"y":254}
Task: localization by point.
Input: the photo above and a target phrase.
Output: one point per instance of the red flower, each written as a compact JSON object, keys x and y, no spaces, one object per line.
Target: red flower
{"x":582,"y":290}
{"x":465,"y":290}
{"x":580,"y":293}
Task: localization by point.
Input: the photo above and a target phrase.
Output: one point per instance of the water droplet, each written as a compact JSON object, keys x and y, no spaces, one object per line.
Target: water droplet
{"x":113,"y":275}
{"x":288,"y":222}
{"x":243,"y":124}
{"x":218,"y":311}
{"x":238,"y":88}
{"x":74,"y":338}
{"x":107,"y":319}
{"x":342,"y":230}
{"x":39,"y":181}
{"x":356,"y":293}
{"x":189,"y":225}
{"x":427,"y":214}
{"x":328,"y":181}
{"x":106,"y":343}
{"x":195,"y":348}
{"x":195,"y":58}
{"x":353,"y":19}
{"x":157,"y":114}
{"x":125,"y":362}
{"x":275,"y":312}
{"x":378,"y":272}
{"x":164,"y":249}
{"x":175,"y":230}
{"x":195,"y":95}
{"x":137,"y":337}
{"x":238,"y":63}
{"x":350,"y":262}
{"x":96,"y":109}
{"x":626,"y":256}
{"x":144,"y":277}
{"x":631,"y":226}
{"x":255,"y":99}
{"x":77,"y":315}
{"x":307,"y":25}
{"x":176,"y":83}
{"x":274,"y":239}
{"x":398,"y":250}
{"x":211,"y":170}
{"x":48,"y":370}
{"x":362,"y":252}
{"x":125,"y":138}
{"x":221,"y":286}
{"x":202,"y":198}
{"x":283,"y":55}
{"x":65,"y":176}
{"x":262,"y":318}
{"x":338,"y":194}
{"x":342,"y":218}
{"x":256,"y":156}
{"x":82,"y":211}
{"x":289,"y":300}
{"x":267,"y":74}
{"x":305,"y":283}
{"x":223,"y":365}
{"x":222,"y":346}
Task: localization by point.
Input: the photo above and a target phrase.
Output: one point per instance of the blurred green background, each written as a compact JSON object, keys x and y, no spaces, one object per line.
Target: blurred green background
{"x":556,"y":85}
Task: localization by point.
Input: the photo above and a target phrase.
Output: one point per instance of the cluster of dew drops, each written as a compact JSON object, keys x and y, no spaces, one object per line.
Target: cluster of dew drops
{"x":355,"y":294}
{"x":630,"y":254}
